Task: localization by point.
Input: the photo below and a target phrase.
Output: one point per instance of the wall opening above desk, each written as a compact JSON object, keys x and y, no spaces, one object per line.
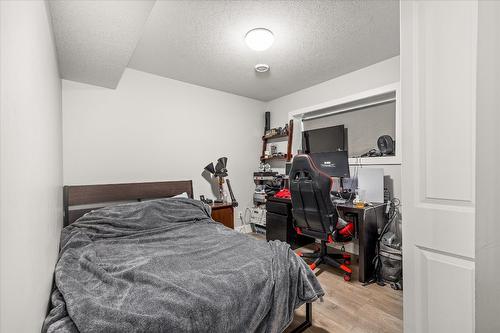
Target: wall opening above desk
{"x":365,"y":117}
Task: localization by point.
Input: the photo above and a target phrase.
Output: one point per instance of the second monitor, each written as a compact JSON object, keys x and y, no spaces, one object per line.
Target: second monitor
{"x":334,"y":164}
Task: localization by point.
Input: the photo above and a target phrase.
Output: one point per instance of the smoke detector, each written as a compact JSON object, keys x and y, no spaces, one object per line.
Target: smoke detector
{"x":261,"y":68}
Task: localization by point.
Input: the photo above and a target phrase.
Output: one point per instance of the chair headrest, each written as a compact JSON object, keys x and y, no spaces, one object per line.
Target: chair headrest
{"x":304,"y":164}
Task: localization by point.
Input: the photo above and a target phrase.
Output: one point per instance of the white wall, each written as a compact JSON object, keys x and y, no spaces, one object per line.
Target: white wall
{"x":153,"y":128}
{"x":487,"y":178}
{"x":371,"y":77}
{"x":30,"y":164}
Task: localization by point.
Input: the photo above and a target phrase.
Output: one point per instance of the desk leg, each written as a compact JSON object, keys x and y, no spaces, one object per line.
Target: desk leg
{"x":362,"y":250}
{"x":368,"y":242}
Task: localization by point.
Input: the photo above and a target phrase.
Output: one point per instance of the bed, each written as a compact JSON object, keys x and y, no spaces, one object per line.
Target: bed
{"x":161,"y":264}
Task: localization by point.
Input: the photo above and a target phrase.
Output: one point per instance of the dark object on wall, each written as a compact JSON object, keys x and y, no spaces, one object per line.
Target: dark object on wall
{"x":326,"y":139}
{"x":219,"y":172}
{"x":386,"y":145}
{"x":267,"y":126}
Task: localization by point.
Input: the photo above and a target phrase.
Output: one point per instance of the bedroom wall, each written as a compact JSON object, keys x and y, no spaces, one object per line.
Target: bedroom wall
{"x":152,"y":128}
{"x":371,"y":77}
{"x":30,"y":164}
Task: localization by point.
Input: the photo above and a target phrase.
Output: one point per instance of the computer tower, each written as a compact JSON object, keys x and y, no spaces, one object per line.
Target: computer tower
{"x":371,"y":184}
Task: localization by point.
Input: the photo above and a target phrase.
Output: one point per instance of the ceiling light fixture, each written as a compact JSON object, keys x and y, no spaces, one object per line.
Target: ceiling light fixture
{"x":259,"y":39}
{"x":261,"y":68}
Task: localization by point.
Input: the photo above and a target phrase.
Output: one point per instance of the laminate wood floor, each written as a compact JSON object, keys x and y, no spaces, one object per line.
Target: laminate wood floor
{"x":350,"y":307}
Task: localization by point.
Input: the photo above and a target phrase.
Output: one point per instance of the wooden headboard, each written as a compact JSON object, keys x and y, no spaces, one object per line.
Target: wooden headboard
{"x":97,"y":196}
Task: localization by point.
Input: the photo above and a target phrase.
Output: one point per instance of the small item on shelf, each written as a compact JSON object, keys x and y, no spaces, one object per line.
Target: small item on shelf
{"x":264,"y":175}
{"x":386,"y":145}
{"x":205,"y":200}
{"x":261,"y":179}
{"x":264,"y":167}
{"x":274,"y":186}
{"x":270,"y":133}
{"x":274,"y":149}
{"x":278,"y":131}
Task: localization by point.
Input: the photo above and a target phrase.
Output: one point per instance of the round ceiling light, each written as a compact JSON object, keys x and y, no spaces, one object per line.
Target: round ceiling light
{"x":261,"y":68}
{"x":259,"y":39}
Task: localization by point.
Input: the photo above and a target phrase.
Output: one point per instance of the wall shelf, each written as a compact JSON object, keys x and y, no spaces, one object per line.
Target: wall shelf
{"x":275,"y":158}
{"x":275,"y":137}
{"x":376,"y":160}
{"x":286,"y":157}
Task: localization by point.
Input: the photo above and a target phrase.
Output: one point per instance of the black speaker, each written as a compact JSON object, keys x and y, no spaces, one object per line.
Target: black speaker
{"x":268,"y":121}
{"x":386,"y":145}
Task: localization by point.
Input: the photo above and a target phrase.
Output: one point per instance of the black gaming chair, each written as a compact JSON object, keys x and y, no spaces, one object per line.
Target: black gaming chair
{"x":314,"y":213}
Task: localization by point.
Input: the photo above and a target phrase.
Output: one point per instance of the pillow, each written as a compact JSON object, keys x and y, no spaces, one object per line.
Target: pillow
{"x":182,"y":195}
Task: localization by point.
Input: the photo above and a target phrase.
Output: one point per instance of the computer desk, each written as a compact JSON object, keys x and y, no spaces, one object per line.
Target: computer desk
{"x":366,"y":220}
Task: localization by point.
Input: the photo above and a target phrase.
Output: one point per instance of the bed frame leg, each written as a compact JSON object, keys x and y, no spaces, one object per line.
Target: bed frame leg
{"x":308,"y":322}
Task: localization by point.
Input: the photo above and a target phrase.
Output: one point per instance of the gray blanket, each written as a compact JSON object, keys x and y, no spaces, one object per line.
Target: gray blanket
{"x":165,"y":266}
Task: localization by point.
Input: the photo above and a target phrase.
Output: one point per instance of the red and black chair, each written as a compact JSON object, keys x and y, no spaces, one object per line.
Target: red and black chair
{"x":315,"y":215}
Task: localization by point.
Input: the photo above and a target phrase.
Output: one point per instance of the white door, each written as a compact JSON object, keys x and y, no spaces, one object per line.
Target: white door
{"x":438,"y":86}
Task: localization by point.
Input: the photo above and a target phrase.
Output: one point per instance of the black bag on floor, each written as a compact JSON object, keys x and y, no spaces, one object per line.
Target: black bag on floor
{"x":389,"y":258}
{"x":391,"y":266}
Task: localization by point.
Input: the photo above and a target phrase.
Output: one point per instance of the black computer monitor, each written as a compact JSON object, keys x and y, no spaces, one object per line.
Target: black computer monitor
{"x":324,"y":139}
{"x":334,"y":164}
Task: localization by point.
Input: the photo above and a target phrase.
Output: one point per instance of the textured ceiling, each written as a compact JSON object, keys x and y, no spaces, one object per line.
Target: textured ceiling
{"x":95,"y":39}
{"x":201,"y":42}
